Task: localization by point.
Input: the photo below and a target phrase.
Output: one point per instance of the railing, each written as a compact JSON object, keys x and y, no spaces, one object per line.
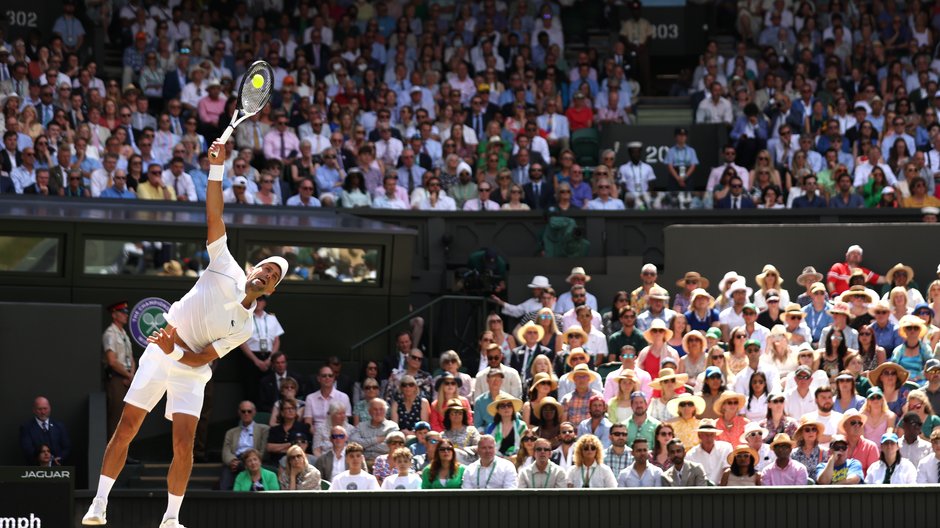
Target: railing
{"x":461,"y":324}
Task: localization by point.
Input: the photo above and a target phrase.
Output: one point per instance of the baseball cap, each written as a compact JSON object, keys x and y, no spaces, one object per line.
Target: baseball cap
{"x":240,"y":181}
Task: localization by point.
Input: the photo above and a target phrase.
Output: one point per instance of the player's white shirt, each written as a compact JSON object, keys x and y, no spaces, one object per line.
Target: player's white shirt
{"x":360,"y":482}
{"x":211,"y":312}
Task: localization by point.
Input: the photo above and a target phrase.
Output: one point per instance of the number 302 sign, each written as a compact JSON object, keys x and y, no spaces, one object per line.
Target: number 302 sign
{"x":24,"y":19}
{"x":22,"y":16}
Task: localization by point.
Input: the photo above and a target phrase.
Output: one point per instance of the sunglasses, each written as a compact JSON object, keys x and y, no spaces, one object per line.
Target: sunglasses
{"x":686,"y":404}
{"x":838,"y":448}
{"x":414,"y":357}
{"x":618,"y":434}
{"x":446,"y":449}
{"x":589,"y":447}
{"x":543,"y":449}
{"x":529,"y":438}
{"x":337,"y":436}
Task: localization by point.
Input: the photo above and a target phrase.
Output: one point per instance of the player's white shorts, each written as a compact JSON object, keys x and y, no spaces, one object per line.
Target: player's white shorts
{"x":157,"y":374}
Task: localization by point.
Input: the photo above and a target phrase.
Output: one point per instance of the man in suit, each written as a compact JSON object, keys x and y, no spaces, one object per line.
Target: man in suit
{"x":41,"y":186}
{"x":682,"y":474}
{"x":10,"y":157}
{"x":333,"y":462}
{"x":46,"y":108}
{"x":737,"y":198}
{"x":175,"y":80}
{"x":477,"y":117}
{"x":43,"y":430}
{"x":523,"y":355}
{"x":538,"y":193}
{"x":270,"y":390}
{"x":318,"y":54}
{"x":247,"y":435}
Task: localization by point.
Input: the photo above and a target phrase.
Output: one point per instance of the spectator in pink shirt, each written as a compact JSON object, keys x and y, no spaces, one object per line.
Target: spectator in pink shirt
{"x":210,"y":108}
{"x":785,"y":471}
{"x":281,"y":142}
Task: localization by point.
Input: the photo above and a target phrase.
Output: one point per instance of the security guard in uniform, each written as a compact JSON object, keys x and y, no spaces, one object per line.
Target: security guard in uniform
{"x":119,"y":362}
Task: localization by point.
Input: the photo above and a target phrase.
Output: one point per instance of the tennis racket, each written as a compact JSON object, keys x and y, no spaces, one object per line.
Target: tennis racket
{"x":255,"y":91}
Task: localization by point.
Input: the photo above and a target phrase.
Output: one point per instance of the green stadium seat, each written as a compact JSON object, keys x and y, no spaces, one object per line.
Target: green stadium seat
{"x":585,"y":143}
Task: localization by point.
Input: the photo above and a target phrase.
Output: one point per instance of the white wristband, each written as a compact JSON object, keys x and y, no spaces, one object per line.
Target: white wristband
{"x":176,"y":355}
{"x":216,"y":172}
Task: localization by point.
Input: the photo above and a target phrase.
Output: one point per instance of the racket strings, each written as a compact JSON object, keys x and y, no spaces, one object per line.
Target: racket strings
{"x":253,"y":99}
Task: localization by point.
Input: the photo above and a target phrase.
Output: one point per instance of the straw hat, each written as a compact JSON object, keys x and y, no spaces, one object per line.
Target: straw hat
{"x":752,"y":427}
{"x":809,"y":275}
{"x":692,"y":335}
{"x":780,"y":439}
{"x":693,"y":275}
{"x":729,"y":278}
{"x":739,"y":285}
{"x":173,"y":268}
{"x":727,"y":396}
{"x":909,"y":321}
{"x":701,"y":292}
{"x":548,"y":400}
{"x":889,"y":276}
{"x":707,"y":425}
{"x":742,"y":449}
{"x":878,"y":306}
{"x":539,"y":281}
{"x":667,"y":374}
{"x":658,"y":292}
{"x":626,"y":374}
{"x":673,"y":405}
{"x":520,"y":333}
{"x":778,"y":330}
{"x":657,"y":324}
{"x":817,"y":286}
{"x":858,"y":291}
{"x":584,"y":369}
{"x":503,"y":397}
{"x":806,"y":421}
{"x":574,"y":330}
{"x":875,"y":375}
{"x":768,"y":269}
{"x":455,"y":404}
{"x":841,"y":308}
{"x":545,"y":377}
{"x":794,"y":309}
{"x":577,"y":352}
{"x":851,"y":413}
{"x":578,"y":271}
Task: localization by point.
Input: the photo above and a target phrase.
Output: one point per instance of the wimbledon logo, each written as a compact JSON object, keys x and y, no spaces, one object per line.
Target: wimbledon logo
{"x":147,"y":318}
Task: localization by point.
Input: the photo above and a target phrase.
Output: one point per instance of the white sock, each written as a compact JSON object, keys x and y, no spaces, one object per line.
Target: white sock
{"x":173,"y":503}
{"x":104,"y":487}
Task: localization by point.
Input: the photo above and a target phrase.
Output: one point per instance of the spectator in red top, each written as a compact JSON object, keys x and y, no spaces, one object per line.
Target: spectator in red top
{"x":837,"y":280}
{"x":579,"y":114}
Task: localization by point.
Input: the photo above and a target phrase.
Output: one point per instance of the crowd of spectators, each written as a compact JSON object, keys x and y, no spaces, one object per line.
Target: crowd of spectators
{"x":835,"y":382}
{"x":471,"y":106}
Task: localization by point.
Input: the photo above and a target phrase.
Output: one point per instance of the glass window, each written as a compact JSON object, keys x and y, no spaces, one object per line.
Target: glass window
{"x":324,"y":263}
{"x":29,"y":254}
{"x":145,"y":257}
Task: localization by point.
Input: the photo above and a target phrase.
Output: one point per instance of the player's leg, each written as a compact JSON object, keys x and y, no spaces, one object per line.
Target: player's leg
{"x":184,"y":397}
{"x":115,"y":455}
{"x":184,"y":433}
{"x":145,"y":391}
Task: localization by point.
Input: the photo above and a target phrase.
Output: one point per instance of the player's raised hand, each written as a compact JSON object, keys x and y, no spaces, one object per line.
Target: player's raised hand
{"x":164,"y":340}
{"x":217,"y":153}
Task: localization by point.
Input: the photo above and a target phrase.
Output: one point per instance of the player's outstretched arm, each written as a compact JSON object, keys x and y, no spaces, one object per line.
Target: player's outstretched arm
{"x":214,"y":205}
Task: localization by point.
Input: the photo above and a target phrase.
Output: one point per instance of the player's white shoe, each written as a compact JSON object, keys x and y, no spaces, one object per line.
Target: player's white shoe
{"x":97,"y":514}
{"x":171,"y":523}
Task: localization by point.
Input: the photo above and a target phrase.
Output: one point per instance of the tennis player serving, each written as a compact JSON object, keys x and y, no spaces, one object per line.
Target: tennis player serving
{"x":209,"y":321}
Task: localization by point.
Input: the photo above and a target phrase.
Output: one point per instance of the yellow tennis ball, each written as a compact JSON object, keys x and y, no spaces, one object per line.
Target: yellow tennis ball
{"x":257,"y":81}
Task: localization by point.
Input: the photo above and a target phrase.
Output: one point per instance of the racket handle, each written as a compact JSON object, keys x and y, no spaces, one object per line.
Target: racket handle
{"x":226,"y":135}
